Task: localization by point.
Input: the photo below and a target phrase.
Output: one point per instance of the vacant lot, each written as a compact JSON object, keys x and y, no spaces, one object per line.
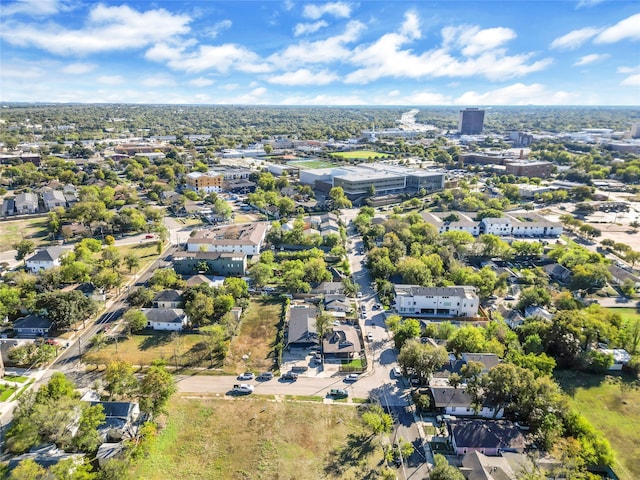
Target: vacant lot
{"x":15,"y":230}
{"x":144,"y":348}
{"x":253,"y":438}
{"x":253,"y":347}
{"x":626,"y":313}
{"x":146,"y":252}
{"x":614,"y":409}
{"x":361,"y":154}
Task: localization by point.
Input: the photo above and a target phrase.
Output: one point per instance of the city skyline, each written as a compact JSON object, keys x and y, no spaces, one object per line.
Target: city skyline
{"x":321,"y":53}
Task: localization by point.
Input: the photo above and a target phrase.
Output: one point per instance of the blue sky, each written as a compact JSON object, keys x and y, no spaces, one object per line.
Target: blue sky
{"x":584,"y":52}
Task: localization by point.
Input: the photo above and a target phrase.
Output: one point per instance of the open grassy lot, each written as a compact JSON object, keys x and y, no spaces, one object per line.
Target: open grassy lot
{"x":627,"y":313}
{"x":256,"y":338}
{"x":360,"y":154}
{"x":614,"y":409}
{"x":146,"y":252}
{"x":311,"y":164}
{"x":14,"y":230}
{"x":144,"y":348}
{"x":253,"y":438}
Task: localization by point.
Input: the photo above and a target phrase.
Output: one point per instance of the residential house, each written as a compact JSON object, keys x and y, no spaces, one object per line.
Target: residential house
{"x":537,"y":311}
{"x":166,"y":318}
{"x":120,"y":419}
{"x":557,"y":272}
{"x":439,"y":302}
{"x":489,"y":437}
{"x":32,"y":326}
{"x":89,"y":290}
{"x":328,"y":288}
{"x":8,"y":207}
{"x":457,"y":402}
{"x":507,"y":466}
{"x":168,"y":299}
{"x":109,"y":451}
{"x":342,"y":342}
{"x":244,"y":238}
{"x":53,"y":199}
{"x":45,"y":259}
{"x":619,"y":275}
{"x":337,"y":303}
{"x":496,"y":226}
{"x":454,"y":365}
{"x":620,"y":357}
{"x":26,"y":203}
{"x":301,"y":326}
{"x":220,"y":263}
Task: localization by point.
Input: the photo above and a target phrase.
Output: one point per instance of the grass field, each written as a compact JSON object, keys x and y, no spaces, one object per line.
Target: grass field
{"x":612,"y":409}
{"x":626,"y":313}
{"x":311,"y":164}
{"x":360,"y":154}
{"x":253,"y":438}
{"x":146,"y":252}
{"x":256,"y":338}
{"x":144,"y":348}
{"x":15,"y":230}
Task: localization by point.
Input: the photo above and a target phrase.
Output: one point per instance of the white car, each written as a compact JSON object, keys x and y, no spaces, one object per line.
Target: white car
{"x":243,"y":388}
{"x":397,"y":372}
{"x":246,"y":376}
{"x":352,"y":377}
{"x":369,"y":337}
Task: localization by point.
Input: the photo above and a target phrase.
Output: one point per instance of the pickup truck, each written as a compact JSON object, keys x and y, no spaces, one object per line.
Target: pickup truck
{"x":242,"y":388}
{"x":338,"y":393}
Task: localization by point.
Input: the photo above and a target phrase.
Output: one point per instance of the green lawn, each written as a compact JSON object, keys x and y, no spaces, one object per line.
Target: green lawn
{"x":361,"y":154}
{"x":15,"y":230}
{"x":254,"y":438}
{"x":311,"y":164}
{"x":614,"y":409}
{"x":626,"y":313}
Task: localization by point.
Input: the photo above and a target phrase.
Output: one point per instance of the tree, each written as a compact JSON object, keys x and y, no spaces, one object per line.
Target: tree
{"x":132,"y":261}
{"x":200,"y":308}
{"x":120,"y":381}
{"x":377,"y":420}
{"x":65,"y":309}
{"x":23,"y":249}
{"x":443,"y":471}
{"x":70,"y":470}
{"x":338,"y":198}
{"x":261,"y":274}
{"x":405,"y":330}
{"x":215,"y":342}
{"x":87,"y":439}
{"x":156,"y":387}
{"x":28,"y":470}
{"x":421,"y":360}
{"x":466,"y":340}
{"x":136,"y":320}
{"x":236,"y":287}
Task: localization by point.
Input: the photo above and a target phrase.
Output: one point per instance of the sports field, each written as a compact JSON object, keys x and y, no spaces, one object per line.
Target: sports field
{"x":311,"y":164}
{"x":360,"y":154}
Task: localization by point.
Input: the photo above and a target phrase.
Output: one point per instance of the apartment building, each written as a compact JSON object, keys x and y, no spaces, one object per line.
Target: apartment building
{"x":539,"y":169}
{"x":205,"y":182}
{"x":437,"y":302}
{"x":244,"y":238}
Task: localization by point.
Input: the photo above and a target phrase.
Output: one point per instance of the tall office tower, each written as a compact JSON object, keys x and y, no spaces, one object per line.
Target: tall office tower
{"x":471,"y":121}
{"x":635,"y":130}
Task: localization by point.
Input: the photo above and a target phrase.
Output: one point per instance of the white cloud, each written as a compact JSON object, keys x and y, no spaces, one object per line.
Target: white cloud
{"x":323,"y":51}
{"x":110,"y":79}
{"x":201,"y":82}
{"x":591,"y":58}
{"x":221,"y":58}
{"x":158,"y":81}
{"x":20,"y":71}
{"x":627,"y":29}
{"x":304,"y":77}
{"x":336,"y":9}
{"x":588,"y":3}
{"x":631,"y":81}
{"x":411,"y":26}
{"x":575,"y":38}
{"x":516,"y":94}
{"x":305,"y":28}
{"x":218,"y":27}
{"x":324,"y":100}
{"x":254,"y":97}
{"x":79,"y":68}
{"x":386,"y":58}
{"x":425,"y":98}
{"x":629,"y":69}
{"x":107,"y":28}
{"x":34,"y":8}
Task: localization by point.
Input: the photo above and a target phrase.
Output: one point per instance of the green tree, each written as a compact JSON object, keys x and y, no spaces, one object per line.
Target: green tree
{"x":28,"y":470}
{"x":443,"y":471}
{"x":261,"y":274}
{"x":23,"y":249}
{"x":69,"y":469}
{"x":200,"y":308}
{"x":120,"y":381}
{"x":87,"y":439}
{"x":377,"y":420}
{"x":405,"y":330}
{"x":132,"y":261}
{"x":421,"y":360}
{"x":156,"y":387}
{"x":135,"y":320}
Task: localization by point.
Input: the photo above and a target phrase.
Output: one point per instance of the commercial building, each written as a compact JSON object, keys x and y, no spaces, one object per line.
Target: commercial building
{"x":439,"y":302}
{"x":211,"y":263}
{"x":204,"y":182}
{"x":471,"y":121}
{"x":539,"y":169}
{"x":244,"y":238}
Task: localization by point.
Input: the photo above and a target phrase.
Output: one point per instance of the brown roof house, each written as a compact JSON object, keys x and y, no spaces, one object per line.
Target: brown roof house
{"x":342,"y":342}
{"x":489,"y":437}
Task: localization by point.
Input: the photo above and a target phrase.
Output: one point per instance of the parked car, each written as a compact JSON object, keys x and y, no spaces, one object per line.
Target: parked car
{"x":369,"y":337}
{"x":243,"y":388}
{"x":359,"y":295}
{"x":338,"y":393}
{"x":352,"y":377}
{"x":148,"y":236}
{"x":509,"y":297}
{"x":290,"y":376}
{"x":246,"y":376}
{"x":265,"y":376}
{"x":397,"y":372}
{"x":377,"y":306}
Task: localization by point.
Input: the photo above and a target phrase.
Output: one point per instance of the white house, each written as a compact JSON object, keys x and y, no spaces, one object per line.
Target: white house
{"x":45,"y":259}
{"x":240,"y":238}
{"x":496,"y":226}
{"x":26,"y":203}
{"x":166,"y":318}
{"x":417,"y":301}
{"x":457,"y":402}
{"x":54,"y":199}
